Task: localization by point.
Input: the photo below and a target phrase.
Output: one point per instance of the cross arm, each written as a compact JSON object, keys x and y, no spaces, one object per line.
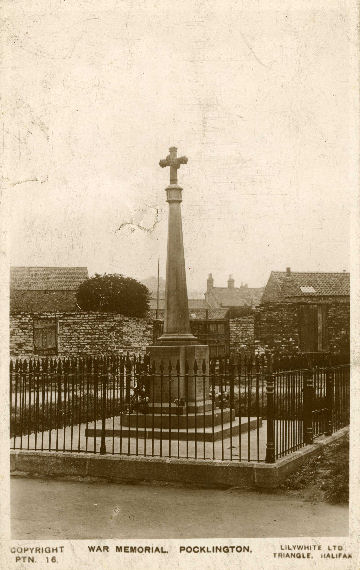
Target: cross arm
{"x":165,"y":162}
{"x":174,"y":162}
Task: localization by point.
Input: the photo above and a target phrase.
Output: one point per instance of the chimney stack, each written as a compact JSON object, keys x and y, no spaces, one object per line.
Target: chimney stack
{"x":231,"y":282}
{"x":210,"y":282}
{"x":288,"y":272}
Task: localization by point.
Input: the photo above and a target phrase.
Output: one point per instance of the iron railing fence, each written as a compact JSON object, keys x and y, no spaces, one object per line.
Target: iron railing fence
{"x":307,"y":403}
{"x":331,"y":397}
{"x":245,"y":409}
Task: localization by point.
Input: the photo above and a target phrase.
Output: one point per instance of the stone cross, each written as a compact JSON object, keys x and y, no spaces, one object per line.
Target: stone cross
{"x":174,"y":162}
{"x":177,"y":344}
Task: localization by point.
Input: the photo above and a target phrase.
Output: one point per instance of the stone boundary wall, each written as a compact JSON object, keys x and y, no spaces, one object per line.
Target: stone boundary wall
{"x":119,"y":469}
{"x":277,"y":327}
{"x":83,"y":333}
{"x":21,"y":335}
{"x":242,"y":333}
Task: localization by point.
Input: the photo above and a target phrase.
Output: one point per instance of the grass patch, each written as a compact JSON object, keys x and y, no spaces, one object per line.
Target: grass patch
{"x":324,"y":477}
{"x":55,"y":415}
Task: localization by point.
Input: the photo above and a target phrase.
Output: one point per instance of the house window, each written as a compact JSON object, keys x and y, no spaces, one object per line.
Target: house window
{"x":313,"y":328}
{"x":45,"y":336}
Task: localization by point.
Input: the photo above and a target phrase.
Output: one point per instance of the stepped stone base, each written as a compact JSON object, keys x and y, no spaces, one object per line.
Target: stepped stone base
{"x":209,"y":433}
{"x":175,"y":409}
{"x":181,"y":421}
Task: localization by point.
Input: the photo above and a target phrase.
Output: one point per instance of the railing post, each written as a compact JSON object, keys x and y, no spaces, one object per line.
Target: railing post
{"x":308,"y":406}
{"x":270,"y":439}
{"x":231,"y":381}
{"x":59,"y":410}
{"x":329,"y":400}
{"x":103,"y":409}
{"x":128,"y":369}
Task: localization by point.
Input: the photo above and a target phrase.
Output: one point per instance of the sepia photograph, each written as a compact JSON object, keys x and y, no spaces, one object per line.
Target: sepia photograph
{"x":180,"y":217}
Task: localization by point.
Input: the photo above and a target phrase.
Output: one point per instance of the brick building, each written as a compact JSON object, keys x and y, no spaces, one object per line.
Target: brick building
{"x":306,"y":312}
{"x":231,"y":296}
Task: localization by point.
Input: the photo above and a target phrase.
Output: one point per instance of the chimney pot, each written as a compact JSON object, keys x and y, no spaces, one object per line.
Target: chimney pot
{"x":231,"y":282}
{"x":210,"y":282}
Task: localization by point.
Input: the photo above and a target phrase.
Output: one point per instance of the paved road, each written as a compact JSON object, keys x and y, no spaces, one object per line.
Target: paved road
{"x":49,"y":509}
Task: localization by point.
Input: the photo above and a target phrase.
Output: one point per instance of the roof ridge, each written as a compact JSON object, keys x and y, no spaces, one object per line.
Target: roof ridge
{"x":313,"y":272}
{"x":48,"y":267}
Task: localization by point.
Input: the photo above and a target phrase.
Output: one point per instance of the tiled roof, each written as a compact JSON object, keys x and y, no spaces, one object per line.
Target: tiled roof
{"x":47,"y":278}
{"x":308,"y":284}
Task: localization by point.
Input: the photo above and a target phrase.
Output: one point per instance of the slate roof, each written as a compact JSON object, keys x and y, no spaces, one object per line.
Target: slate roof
{"x":299,"y":284}
{"x":47,"y":278}
{"x":237,"y":296}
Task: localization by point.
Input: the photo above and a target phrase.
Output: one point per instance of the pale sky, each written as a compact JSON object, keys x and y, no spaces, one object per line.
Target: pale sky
{"x":258,"y":100}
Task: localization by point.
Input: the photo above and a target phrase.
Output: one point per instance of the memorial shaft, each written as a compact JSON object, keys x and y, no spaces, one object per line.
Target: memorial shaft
{"x":176,"y":300}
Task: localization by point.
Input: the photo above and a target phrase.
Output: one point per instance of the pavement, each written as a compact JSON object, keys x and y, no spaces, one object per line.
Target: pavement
{"x":60,"y":509}
{"x":250,"y":445}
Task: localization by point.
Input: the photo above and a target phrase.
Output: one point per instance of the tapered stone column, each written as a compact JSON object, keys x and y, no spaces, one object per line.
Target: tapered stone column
{"x":176,"y":323}
{"x":177,"y":344}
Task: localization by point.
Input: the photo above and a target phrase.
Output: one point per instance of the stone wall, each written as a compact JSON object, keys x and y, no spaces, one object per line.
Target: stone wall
{"x":21,"y":335}
{"x":277,"y":325}
{"x":242,"y":333}
{"x":339,"y":327}
{"x":82,"y":333}
{"x":270,"y":326}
